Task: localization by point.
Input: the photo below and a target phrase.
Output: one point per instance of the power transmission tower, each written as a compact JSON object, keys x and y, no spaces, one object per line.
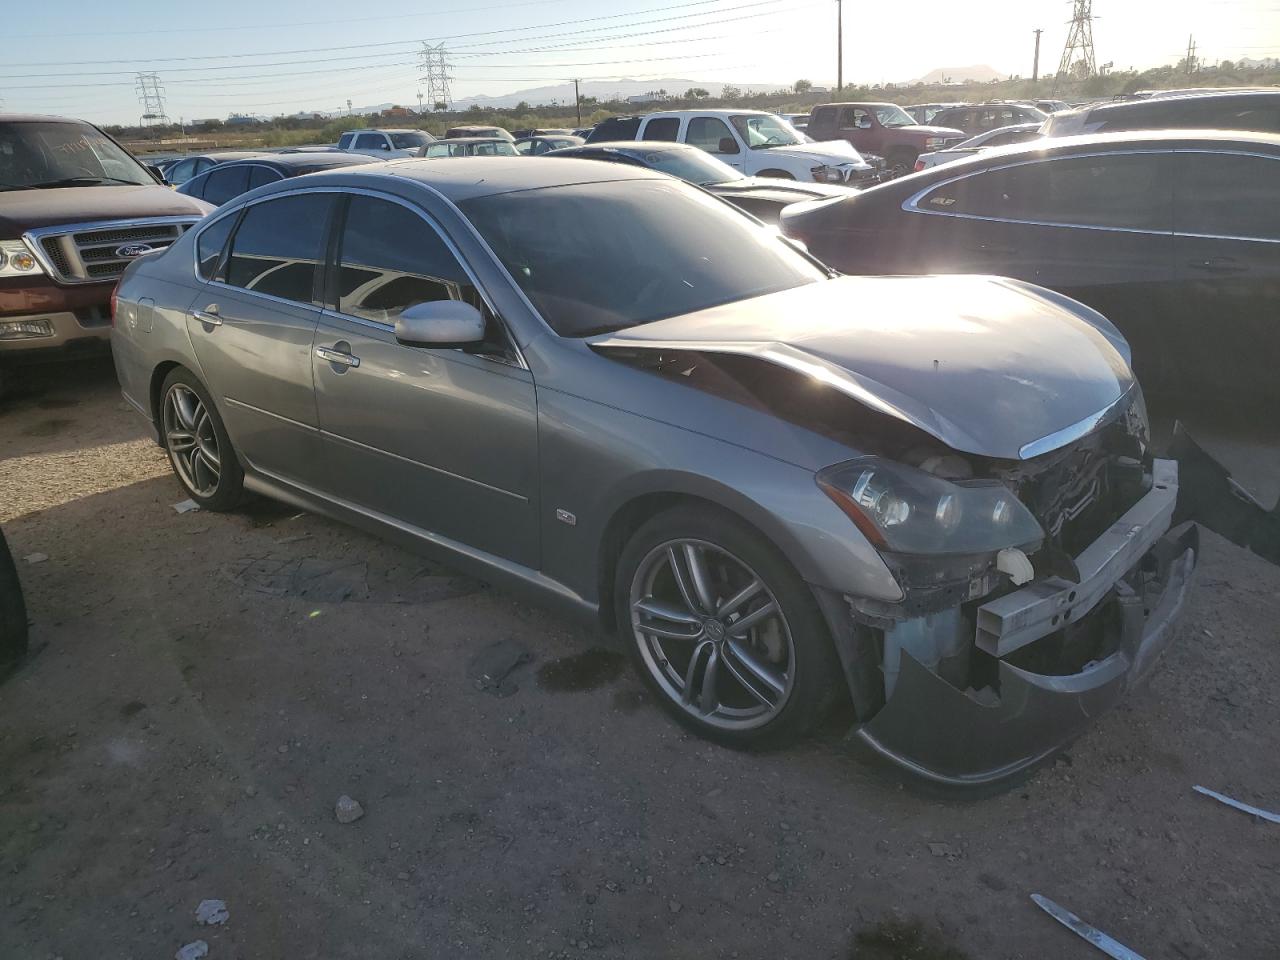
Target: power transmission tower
{"x":1077,"y":55}
{"x":151,"y":96}
{"x":432,"y":61}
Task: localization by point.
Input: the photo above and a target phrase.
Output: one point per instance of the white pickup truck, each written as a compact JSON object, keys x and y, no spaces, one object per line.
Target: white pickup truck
{"x":757,"y":143}
{"x":387,"y":144}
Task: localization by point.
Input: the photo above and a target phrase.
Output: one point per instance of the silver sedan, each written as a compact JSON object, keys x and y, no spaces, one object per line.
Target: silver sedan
{"x":781,"y":488}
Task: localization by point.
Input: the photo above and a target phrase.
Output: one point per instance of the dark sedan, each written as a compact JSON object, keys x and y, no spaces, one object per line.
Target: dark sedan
{"x":762,"y":197}
{"x":1173,"y":236}
{"x":179,"y":170}
{"x":228,"y":180}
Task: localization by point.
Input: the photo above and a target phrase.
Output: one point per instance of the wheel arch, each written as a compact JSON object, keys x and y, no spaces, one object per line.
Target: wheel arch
{"x":638,"y":508}
{"x":777,"y":174}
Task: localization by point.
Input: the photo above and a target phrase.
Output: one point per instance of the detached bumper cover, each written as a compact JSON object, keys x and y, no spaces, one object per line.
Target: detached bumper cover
{"x":947,"y":735}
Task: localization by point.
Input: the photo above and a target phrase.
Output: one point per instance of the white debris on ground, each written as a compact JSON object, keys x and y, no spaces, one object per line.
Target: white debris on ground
{"x":186,"y":506}
{"x":36,"y":557}
{"x":192,"y":951}
{"x":211,"y":912}
{"x":347,"y":810}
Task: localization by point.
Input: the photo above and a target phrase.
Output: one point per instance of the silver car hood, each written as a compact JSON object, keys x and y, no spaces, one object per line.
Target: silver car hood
{"x":989,"y":366}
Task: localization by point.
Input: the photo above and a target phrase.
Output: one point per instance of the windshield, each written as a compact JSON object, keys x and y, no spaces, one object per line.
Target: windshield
{"x":761,"y":131}
{"x":410,"y":140}
{"x":694,"y":165}
{"x":598,"y":257}
{"x":48,"y":154}
{"x":894,"y":116}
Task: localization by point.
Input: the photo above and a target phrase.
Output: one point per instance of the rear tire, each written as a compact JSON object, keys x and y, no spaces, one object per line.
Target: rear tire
{"x":196,"y":440}
{"x":694,"y":574}
{"x":13,"y":610}
{"x":902,"y":162}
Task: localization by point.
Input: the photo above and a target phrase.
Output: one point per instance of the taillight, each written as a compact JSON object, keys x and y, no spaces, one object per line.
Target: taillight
{"x":919,"y":165}
{"x":115,"y":293}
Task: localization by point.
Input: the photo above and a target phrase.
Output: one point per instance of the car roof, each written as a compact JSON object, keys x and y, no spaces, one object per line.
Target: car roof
{"x":464,"y":178}
{"x":385,"y":130}
{"x":295,"y":163}
{"x":1106,"y":142}
{"x":635,"y":146}
{"x":39,"y":118}
{"x":708,"y":113}
{"x":476,"y":140}
{"x":1149,"y":103}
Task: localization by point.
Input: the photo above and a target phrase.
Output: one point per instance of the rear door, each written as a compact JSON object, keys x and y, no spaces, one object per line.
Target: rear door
{"x":252,"y":326}
{"x":1097,"y":228}
{"x":1227,"y":238}
{"x":444,"y":440}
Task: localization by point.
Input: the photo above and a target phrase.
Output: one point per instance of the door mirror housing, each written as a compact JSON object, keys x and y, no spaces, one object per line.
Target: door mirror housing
{"x":440,"y":323}
{"x":727,"y":145}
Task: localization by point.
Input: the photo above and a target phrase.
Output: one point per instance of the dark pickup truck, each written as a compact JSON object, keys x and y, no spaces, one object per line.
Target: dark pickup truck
{"x":75,"y":209}
{"x":884,"y":129}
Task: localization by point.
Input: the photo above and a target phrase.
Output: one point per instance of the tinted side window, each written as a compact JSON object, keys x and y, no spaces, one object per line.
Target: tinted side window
{"x":225,"y":182}
{"x":707,"y":132}
{"x":211,"y":243}
{"x":390,"y":259}
{"x":279,"y":245}
{"x":371,"y":141}
{"x":1228,"y":195}
{"x":344,"y":141}
{"x":259,"y":176}
{"x":664,"y":128}
{"x":1130,"y":191}
{"x":823,"y":117}
{"x":181,"y":172}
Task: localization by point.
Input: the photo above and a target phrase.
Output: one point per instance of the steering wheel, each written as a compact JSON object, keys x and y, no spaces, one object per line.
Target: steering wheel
{"x":773,"y":139}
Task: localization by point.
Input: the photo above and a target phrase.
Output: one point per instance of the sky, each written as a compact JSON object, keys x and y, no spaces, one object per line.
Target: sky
{"x":269,"y":57}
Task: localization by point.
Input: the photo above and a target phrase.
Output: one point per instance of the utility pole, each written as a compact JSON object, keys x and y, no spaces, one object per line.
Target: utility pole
{"x":1191,"y":54}
{"x":1035,"y":64}
{"x":419,"y":103}
{"x":839,"y":45}
{"x":577,"y":100}
{"x":1079,"y":41}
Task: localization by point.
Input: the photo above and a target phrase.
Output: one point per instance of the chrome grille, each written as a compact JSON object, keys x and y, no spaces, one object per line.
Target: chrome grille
{"x":87,"y":252}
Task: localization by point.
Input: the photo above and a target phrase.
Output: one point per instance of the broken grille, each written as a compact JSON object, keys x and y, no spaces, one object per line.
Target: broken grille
{"x":89,"y":253}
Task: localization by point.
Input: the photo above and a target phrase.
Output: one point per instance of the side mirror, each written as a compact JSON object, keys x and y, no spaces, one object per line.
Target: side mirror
{"x":727,"y":145}
{"x":440,"y":323}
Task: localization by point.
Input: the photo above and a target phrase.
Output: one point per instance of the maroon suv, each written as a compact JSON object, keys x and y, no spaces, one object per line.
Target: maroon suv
{"x":75,"y":209}
{"x":884,"y":129}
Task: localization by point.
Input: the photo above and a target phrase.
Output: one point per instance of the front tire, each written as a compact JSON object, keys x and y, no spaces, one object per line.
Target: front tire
{"x":196,"y":440}
{"x":13,"y":611}
{"x":722,"y":629}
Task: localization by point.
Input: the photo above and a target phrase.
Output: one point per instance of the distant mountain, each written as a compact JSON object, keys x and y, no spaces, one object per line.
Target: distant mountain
{"x":979,"y":73}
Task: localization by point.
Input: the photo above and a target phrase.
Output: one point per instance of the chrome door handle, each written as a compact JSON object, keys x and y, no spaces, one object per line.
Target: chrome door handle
{"x":337,"y":356}
{"x":209,"y":317}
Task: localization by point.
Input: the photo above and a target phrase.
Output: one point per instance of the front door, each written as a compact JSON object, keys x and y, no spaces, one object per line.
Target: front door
{"x":443,"y":440}
{"x":714,"y":136}
{"x":1227,"y":237}
{"x":252,"y":325}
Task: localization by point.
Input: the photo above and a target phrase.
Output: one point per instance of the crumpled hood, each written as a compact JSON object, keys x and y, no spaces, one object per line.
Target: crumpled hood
{"x":21,"y":210}
{"x":829,"y":151}
{"x":781,"y":189}
{"x":926,"y":130}
{"x":987,"y":365}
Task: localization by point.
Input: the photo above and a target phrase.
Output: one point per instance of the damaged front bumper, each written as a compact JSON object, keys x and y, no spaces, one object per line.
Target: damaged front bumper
{"x":1134,"y":577}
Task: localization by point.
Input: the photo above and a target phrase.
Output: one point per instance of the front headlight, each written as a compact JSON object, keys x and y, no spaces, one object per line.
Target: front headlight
{"x":905,"y":510}
{"x":16,"y":260}
{"x":827,"y":174}
{"x":933,"y":143}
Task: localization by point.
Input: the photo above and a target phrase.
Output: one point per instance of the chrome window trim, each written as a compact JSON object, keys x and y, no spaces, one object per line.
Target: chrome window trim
{"x":324,"y":311}
{"x":1069,"y":434}
{"x":33,"y":237}
{"x":911,"y":204}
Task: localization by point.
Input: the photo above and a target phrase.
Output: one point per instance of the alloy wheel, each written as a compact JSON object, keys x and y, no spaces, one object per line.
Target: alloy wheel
{"x":712,"y":634}
{"x":192,"y":441}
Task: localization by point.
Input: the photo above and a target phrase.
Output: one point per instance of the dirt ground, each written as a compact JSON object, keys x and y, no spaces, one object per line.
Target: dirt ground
{"x":200,"y":693}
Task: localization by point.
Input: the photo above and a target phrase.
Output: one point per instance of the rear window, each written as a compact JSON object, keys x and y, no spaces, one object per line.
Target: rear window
{"x":615,"y":128}
{"x":225,"y":182}
{"x":663,"y":128}
{"x":344,"y":141}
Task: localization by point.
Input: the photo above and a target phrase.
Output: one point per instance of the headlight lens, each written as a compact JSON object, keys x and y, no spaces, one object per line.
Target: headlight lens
{"x":933,"y":143}
{"x":906,"y":510}
{"x":826,"y":174}
{"x":16,"y":260}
